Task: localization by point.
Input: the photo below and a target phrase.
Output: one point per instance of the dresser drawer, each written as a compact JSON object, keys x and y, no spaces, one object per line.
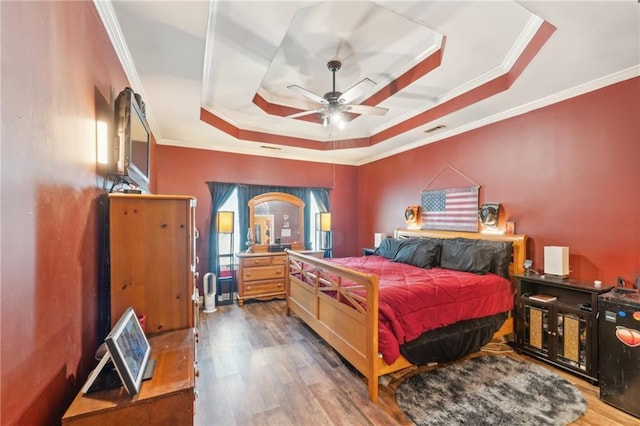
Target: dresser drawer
{"x":263,"y":287}
{"x":279,"y":260}
{"x":263,"y":273}
{"x":250,"y":262}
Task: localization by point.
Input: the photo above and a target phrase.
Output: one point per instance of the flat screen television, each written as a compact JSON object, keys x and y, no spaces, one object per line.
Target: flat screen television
{"x":128,"y":349}
{"x":132,"y":150}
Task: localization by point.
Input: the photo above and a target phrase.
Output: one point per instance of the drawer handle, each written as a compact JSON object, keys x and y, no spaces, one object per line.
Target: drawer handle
{"x":256,"y":261}
{"x":248,"y":287}
{"x":278,"y":272}
{"x":248,"y":274}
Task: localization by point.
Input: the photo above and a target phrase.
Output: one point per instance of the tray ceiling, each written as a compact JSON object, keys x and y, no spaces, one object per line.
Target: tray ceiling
{"x":215,"y":75}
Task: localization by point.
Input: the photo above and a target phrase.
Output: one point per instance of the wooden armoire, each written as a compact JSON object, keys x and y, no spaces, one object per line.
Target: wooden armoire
{"x":152,"y":259}
{"x":152,"y":268}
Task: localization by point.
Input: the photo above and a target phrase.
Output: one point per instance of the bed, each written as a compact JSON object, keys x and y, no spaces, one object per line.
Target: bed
{"x":353,"y":305}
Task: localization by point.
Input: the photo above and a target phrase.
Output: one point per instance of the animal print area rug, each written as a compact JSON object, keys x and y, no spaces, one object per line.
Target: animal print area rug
{"x":490,"y":390}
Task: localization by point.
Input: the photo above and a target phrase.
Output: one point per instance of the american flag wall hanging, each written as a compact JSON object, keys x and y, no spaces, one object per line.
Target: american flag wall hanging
{"x":451,"y":209}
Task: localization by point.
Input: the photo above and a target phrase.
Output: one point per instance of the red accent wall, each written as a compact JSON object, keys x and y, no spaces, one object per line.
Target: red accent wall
{"x":567,"y":174}
{"x":58,"y":74}
{"x":187,"y":171}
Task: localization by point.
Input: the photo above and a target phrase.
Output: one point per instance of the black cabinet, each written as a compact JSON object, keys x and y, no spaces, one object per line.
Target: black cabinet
{"x":562,"y":331}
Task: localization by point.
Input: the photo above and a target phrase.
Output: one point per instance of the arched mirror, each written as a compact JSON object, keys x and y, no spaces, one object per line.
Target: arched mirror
{"x":277,"y":221}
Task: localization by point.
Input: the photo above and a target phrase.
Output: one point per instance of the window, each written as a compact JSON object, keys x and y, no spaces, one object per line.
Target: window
{"x":315,"y":209}
{"x":231,"y":205}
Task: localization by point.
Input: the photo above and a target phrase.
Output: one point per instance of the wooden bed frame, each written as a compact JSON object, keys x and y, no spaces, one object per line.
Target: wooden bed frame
{"x":352,"y":329}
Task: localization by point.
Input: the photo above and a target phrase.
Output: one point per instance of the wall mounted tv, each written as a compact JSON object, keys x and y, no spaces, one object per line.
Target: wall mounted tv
{"x":132,"y":141}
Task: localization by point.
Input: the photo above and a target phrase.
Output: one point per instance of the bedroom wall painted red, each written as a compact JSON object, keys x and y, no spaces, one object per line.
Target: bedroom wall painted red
{"x":567,"y":174}
{"x":58,"y":73}
{"x":62,"y":72}
{"x":186,"y":171}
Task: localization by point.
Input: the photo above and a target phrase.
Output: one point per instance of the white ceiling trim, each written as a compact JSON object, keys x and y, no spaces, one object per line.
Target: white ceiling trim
{"x":112,"y":27}
{"x":524,"y":39}
{"x":522,"y":109}
{"x":208,"y":52}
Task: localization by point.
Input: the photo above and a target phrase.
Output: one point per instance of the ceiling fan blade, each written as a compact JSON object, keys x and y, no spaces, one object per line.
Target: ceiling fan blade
{"x":304,"y":92}
{"x":365,"y":109}
{"x":304,"y":113}
{"x":355,"y":91}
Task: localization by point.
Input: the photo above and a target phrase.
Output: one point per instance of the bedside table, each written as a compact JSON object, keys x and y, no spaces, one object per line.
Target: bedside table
{"x":562,"y":331}
{"x":368,"y":251}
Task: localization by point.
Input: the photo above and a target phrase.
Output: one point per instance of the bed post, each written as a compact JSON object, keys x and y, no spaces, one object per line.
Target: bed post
{"x":372,"y":331}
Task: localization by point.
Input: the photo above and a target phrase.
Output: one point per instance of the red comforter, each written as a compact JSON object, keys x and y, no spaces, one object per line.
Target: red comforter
{"x":414,"y":300}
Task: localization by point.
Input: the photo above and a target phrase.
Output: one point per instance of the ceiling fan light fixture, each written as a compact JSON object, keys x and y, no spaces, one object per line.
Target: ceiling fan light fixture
{"x":333,"y":117}
{"x":334,"y":102}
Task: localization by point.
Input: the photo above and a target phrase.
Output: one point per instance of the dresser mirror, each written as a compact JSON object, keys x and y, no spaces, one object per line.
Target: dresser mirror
{"x":276,"y":221}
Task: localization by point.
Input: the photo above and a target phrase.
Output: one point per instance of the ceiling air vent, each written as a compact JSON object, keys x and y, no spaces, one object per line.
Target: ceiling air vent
{"x":433,"y":129}
{"x":275,"y":148}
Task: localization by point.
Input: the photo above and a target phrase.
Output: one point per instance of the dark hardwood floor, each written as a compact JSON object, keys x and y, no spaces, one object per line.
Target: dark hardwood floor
{"x":260,"y":367}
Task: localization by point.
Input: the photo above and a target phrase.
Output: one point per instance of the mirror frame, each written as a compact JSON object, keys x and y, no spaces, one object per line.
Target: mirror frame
{"x":277,"y":196}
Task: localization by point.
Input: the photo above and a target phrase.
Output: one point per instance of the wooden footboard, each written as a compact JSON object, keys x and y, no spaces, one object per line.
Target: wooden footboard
{"x":347,"y":317}
{"x":315,"y":293}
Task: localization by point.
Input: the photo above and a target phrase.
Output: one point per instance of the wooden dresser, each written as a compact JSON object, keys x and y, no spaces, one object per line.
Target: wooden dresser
{"x":261,"y":276}
{"x":153,"y":269}
{"x":168,"y":398}
{"x":152,"y":259}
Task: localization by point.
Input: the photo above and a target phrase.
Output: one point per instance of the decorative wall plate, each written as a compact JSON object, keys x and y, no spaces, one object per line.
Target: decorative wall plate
{"x":411,"y":215}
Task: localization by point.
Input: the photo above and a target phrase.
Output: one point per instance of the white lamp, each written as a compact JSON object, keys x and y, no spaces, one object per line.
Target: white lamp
{"x":556,"y":261}
{"x":378,"y":237}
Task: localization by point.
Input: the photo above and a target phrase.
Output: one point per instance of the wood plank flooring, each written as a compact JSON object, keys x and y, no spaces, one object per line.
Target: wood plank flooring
{"x":260,"y":367}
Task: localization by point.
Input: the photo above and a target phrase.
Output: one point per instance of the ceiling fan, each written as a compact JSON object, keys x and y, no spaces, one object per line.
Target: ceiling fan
{"x":335,"y":103}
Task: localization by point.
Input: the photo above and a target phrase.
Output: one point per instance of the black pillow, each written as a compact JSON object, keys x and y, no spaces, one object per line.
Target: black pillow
{"x":420,"y":252}
{"x":389,"y":247}
{"x":466,"y":257}
{"x":501,"y":255}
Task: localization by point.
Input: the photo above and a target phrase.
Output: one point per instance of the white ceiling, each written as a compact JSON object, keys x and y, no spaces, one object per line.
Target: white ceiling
{"x":214,"y":75}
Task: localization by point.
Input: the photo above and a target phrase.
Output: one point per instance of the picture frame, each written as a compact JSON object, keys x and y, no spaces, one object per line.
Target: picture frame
{"x":510,"y":227}
{"x":129,"y":350}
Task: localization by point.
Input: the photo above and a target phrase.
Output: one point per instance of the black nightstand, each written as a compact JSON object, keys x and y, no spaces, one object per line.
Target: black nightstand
{"x":368,"y":251}
{"x":563,"y":331}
